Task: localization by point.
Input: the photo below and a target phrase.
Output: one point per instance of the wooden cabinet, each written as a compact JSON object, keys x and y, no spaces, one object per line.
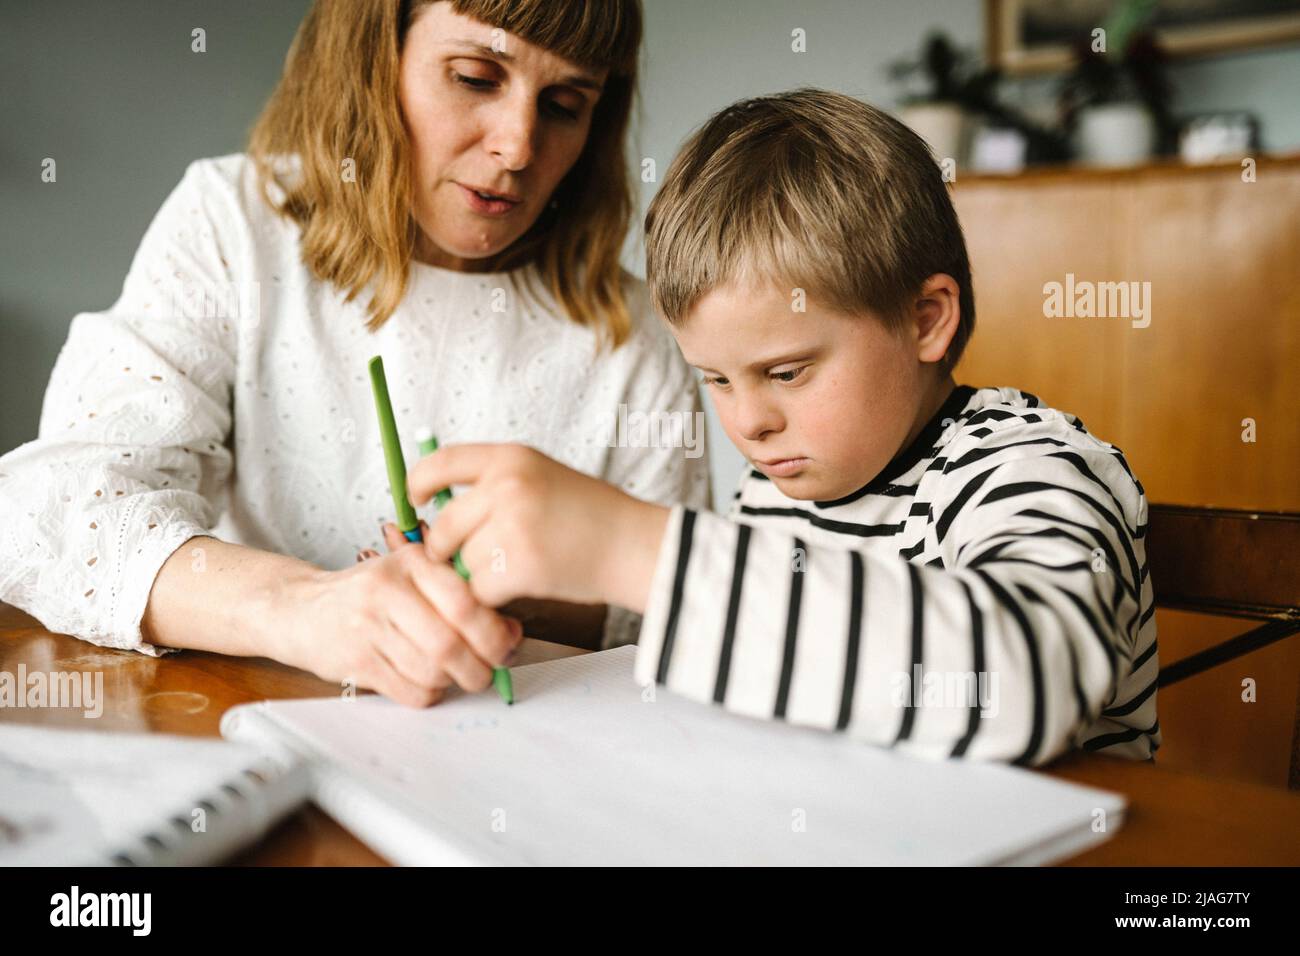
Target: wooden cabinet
{"x":1222,"y":259}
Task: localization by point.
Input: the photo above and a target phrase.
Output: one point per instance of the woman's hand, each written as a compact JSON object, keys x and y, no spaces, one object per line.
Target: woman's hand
{"x":402,"y":624}
{"x":560,"y":622}
{"x":530,"y":527}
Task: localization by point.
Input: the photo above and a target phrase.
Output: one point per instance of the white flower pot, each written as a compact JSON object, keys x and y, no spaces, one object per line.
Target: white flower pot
{"x":1115,"y":134}
{"x":943,"y":125}
{"x":995,"y":150}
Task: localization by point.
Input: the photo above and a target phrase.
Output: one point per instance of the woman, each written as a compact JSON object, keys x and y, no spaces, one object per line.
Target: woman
{"x":442,"y":183}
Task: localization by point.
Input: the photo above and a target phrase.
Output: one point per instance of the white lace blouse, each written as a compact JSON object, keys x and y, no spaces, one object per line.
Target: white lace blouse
{"x":226,"y":393}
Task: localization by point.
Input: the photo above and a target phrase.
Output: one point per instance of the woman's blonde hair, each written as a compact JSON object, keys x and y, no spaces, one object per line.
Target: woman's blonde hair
{"x":337,"y":99}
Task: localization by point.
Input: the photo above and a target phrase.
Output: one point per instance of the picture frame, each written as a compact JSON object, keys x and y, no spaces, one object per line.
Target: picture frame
{"x":1031,"y":36}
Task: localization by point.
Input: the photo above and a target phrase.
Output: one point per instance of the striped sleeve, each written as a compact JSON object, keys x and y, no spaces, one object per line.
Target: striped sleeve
{"x":665,"y":475}
{"x":1008,"y":645}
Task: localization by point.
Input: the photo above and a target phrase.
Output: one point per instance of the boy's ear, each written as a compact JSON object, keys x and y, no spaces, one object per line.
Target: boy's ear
{"x":937,"y":314}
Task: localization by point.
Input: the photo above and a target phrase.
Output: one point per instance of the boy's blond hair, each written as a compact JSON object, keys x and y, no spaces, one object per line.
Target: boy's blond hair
{"x":812,"y":189}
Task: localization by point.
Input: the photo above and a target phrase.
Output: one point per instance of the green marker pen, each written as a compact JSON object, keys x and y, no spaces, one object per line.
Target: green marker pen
{"x":428,"y":445}
{"x":408,"y":522}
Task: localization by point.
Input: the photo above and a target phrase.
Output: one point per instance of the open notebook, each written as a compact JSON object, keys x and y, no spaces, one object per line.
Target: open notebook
{"x":584,"y":769}
{"x":89,"y":798}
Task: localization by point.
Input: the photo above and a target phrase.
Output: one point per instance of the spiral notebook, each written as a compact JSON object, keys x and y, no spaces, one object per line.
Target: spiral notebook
{"x":91,"y":798}
{"x":589,"y":768}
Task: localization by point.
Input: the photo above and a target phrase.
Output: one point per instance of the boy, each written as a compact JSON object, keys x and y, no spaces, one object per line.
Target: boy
{"x":950,"y":570}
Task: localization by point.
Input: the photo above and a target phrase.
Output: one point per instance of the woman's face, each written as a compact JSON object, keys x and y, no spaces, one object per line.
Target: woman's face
{"x":487,"y":113}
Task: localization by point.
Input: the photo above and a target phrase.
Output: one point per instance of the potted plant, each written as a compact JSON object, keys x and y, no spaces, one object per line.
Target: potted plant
{"x":937,"y":113}
{"x":1116,"y":101}
{"x":957,"y":94}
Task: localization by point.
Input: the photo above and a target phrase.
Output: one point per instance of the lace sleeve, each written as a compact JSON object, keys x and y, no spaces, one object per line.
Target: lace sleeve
{"x":131,"y":451}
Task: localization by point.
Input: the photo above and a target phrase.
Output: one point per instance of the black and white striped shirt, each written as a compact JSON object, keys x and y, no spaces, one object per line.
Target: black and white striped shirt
{"x":985,"y":596}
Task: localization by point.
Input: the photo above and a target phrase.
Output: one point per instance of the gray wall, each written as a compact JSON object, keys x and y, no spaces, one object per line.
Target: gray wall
{"x":113,"y":93}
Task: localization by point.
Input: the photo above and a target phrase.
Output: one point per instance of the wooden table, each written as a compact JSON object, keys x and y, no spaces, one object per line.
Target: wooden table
{"x":1174,"y":819}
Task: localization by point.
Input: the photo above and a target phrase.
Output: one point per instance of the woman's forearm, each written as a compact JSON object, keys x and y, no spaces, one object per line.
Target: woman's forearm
{"x":211,"y":595}
{"x":402,"y":624}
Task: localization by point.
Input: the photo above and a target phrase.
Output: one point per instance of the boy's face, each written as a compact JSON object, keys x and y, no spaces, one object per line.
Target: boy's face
{"x":819,"y":400}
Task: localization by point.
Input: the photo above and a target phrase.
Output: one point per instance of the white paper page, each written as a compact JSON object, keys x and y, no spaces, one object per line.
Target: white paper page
{"x":583,"y":770}
{"x":78,"y":797}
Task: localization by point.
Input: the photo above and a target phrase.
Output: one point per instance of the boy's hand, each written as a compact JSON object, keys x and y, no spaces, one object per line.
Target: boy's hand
{"x":560,"y":622}
{"x":530,"y":527}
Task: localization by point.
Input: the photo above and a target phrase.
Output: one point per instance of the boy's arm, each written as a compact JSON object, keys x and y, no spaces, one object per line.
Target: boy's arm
{"x":674,"y":471}
{"x":1043,"y":591}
